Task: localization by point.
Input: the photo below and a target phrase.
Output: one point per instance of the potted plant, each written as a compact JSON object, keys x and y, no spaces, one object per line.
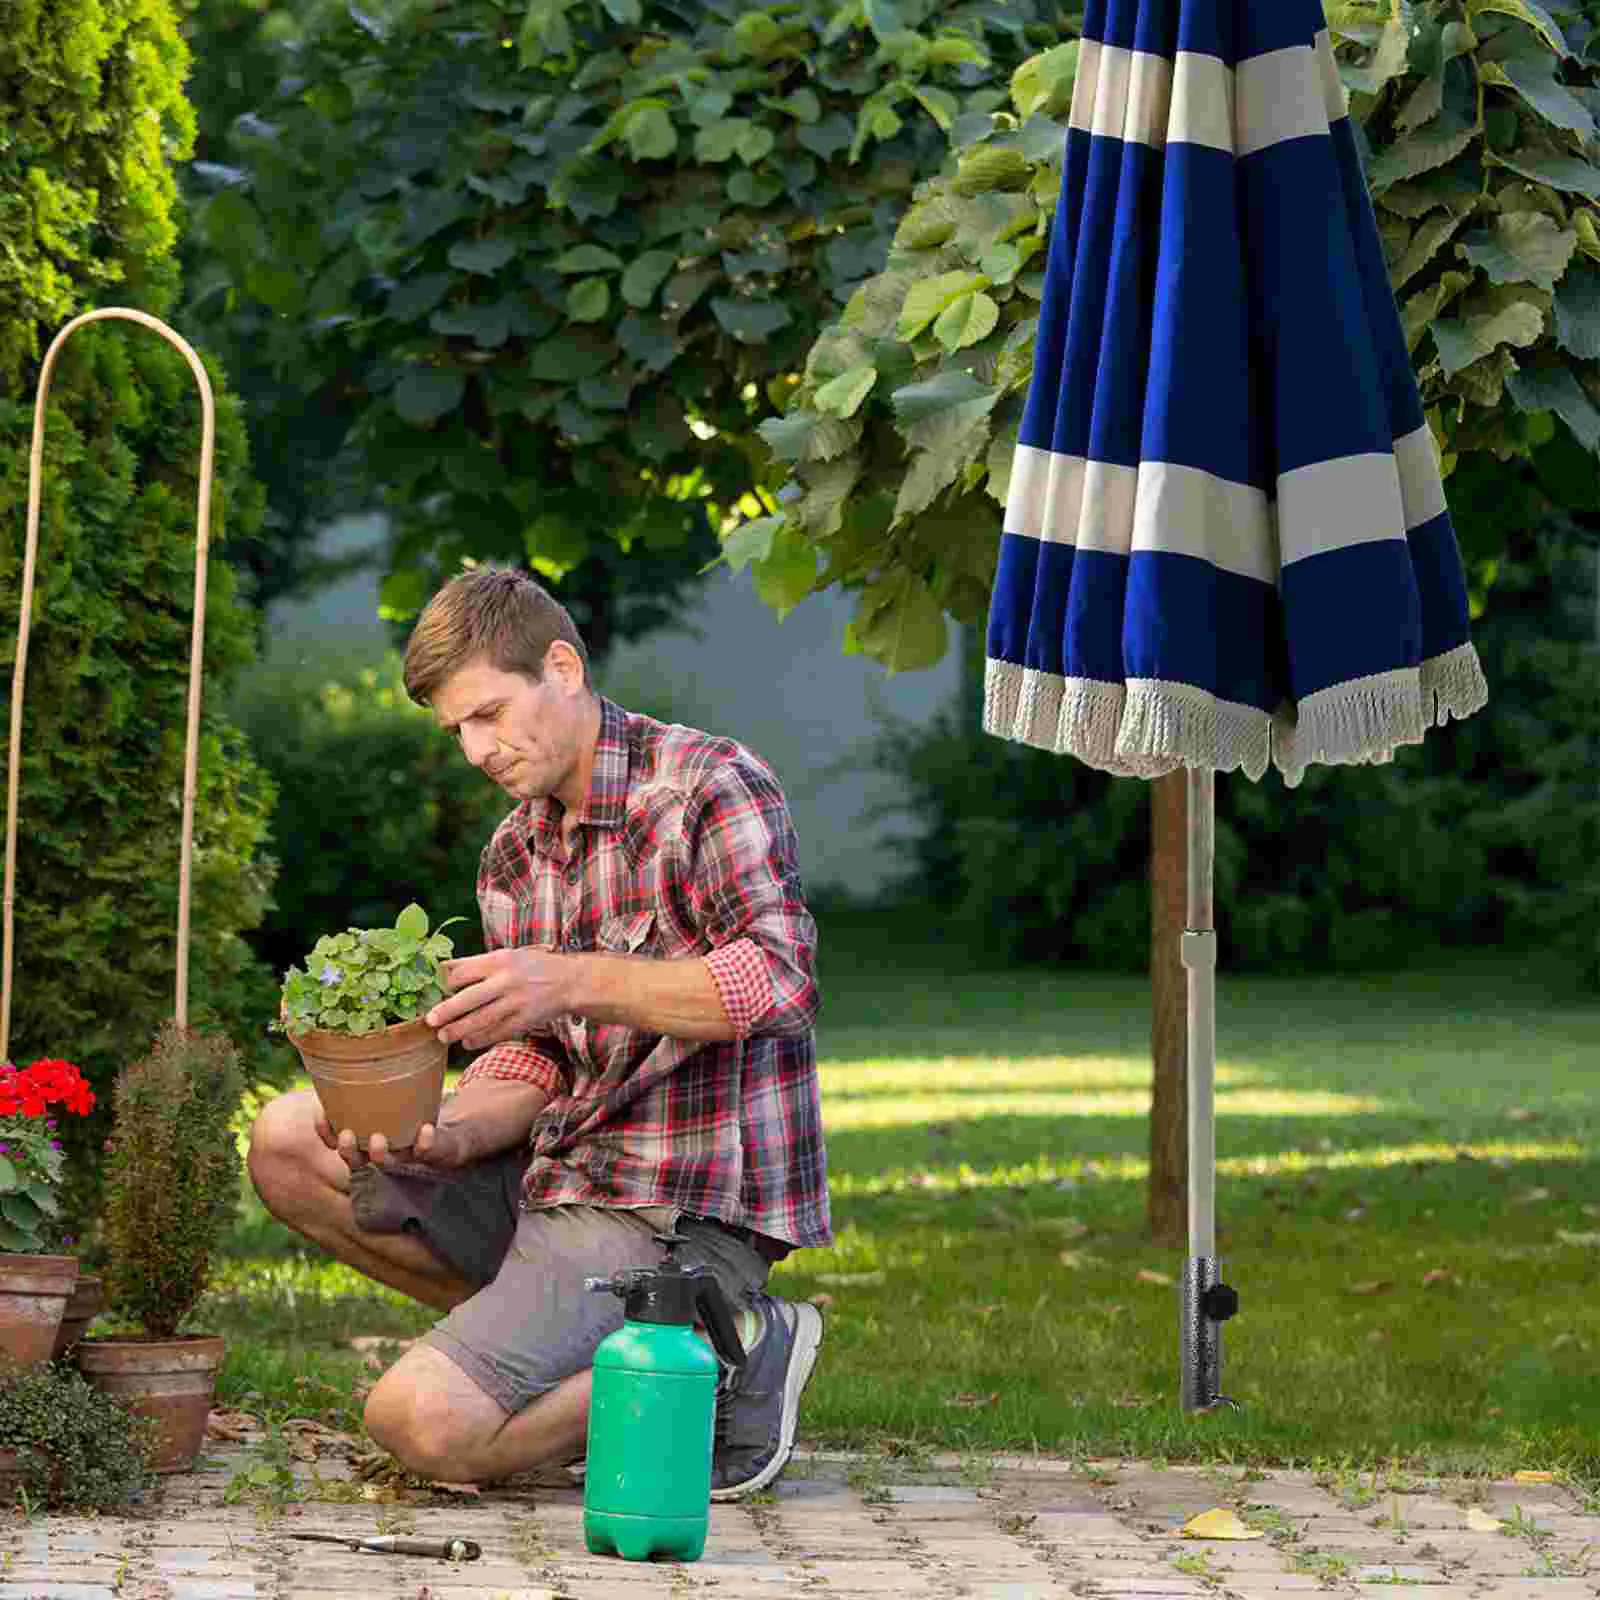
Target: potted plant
{"x":35,"y":1281}
{"x":172,"y":1189}
{"x":354,"y":1012}
{"x":66,"y":1446}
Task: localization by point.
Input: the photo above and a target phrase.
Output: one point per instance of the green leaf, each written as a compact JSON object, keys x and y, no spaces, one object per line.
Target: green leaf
{"x":1465,"y":340}
{"x":754,"y":144}
{"x":720,"y":141}
{"x":918,"y":402}
{"x":625,"y":13}
{"x":544,"y":31}
{"x":940,"y":104}
{"x":554,"y":546}
{"x":751,"y":321}
{"x":803,"y":105}
{"x":787,"y":573}
{"x":808,"y":436}
{"x":20,"y":1211}
{"x":1043,"y":83}
{"x":1530,"y":12}
{"x":646,"y":274}
{"x":755,"y":189}
{"x":1521,"y":247}
{"x":842,"y":396}
{"x":588,"y":300}
{"x":14,"y":1239}
{"x":588,"y":258}
{"x":1430,"y":238}
{"x":750,"y":541}
{"x":650,"y":134}
{"x":1441,"y":141}
{"x":1570,"y":174}
{"x":483,"y":256}
{"x":928,"y":297}
{"x":43,"y":1198}
{"x":9,"y":1178}
{"x":1555,"y":389}
{"x":569,"y":356}
{"x":1423,"y":104}
{"x":901,"y":625}
{"x":1388,"y":61}
{"x":1577,"y":309}
{"x":828,"y":485}
{"x":965,"y":321}
{"x":424,"y":394}
{"x":1535,"y":81}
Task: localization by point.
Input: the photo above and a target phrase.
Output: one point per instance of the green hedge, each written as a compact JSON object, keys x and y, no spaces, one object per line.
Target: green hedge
{"x":91,"y":116}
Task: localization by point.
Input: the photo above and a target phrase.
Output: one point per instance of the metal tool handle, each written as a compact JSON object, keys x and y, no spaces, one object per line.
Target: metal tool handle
{"x":440,"y":1549}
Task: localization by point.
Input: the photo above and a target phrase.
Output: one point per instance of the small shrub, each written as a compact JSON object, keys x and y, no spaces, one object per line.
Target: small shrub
{"x":172,"y":1176}
{"x":78,"y":1449}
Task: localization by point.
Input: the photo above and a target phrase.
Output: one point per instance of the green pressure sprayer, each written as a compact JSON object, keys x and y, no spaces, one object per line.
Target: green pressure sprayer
{"x":652,"y":1411}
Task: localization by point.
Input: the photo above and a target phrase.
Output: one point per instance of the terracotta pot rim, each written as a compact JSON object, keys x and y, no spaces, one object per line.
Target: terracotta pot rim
{"x":395,"y":1032}
{"x":140,"y":1341}
{"x":35,"y":1256}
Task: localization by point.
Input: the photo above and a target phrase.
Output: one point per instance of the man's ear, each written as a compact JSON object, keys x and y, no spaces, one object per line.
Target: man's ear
{"x":565,"y":664}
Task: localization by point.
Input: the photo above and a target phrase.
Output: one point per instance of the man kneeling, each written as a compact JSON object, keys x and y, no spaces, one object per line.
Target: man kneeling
{"x":645,"y":1010}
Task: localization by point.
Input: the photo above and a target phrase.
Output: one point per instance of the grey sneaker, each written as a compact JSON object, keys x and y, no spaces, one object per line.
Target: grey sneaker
{"x":757,"y":1411}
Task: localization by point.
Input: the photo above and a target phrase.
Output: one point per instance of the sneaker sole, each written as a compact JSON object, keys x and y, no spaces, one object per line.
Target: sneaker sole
{"x":807,"y":1342}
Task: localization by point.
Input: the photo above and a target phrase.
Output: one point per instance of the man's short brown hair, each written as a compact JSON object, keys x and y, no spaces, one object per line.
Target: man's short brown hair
{"x":493,"y":614}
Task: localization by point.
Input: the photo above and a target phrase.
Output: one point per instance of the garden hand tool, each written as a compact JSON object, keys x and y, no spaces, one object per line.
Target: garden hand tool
{"x":388,"y":1544}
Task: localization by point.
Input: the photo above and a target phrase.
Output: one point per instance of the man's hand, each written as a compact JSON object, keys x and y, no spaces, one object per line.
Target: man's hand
{"x":439,"y":1146}
{"x":506,"y":994}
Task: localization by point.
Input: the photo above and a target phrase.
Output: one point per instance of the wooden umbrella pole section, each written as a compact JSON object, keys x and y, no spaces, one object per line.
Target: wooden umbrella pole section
{"x":208,"y":428}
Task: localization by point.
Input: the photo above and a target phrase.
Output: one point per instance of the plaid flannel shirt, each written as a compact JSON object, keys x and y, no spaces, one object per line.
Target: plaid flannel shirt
{"x":684,"y":849}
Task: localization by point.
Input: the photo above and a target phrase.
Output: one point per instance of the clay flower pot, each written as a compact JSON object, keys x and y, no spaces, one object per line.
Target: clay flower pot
{"x":171,"y":1381}
{"x":389,"y":1082}
{"x":87,"y":1302}
{"x":34,"y":1291}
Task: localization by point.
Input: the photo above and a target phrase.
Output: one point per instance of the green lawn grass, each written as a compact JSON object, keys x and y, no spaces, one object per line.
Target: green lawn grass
{"x":1399,"y":1157}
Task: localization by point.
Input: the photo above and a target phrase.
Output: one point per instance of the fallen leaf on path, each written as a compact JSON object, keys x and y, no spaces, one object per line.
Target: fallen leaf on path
{"x":974,"y":1402}
{"x":1566,"y":1236}
{"x":1520,"y":1114}
{"x":1528,"y":1476}
{"x":1070,"y":1226}
{"x":851,"y":1279}
{"x":1438,"y":1275}
{"x":1530,"y":1197}
{"x":1147,"y":1276}
{"x":1375,"y":1286}
{"x":1482,"y":1522}
{"x":822,"y":1301}
{"x":1076,"y":1259}
{"x":1219,"y":1524}
{"x":234,"y":1426}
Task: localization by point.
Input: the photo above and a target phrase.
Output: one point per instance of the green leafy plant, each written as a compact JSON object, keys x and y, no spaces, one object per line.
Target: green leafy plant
{"x":172,"y":1175}
{"x":31,"y":1158}
{"x":1477,"y":121}
{"x":363,"y":979}
{"x":77,"y":1449}
{"x":576,"y":259}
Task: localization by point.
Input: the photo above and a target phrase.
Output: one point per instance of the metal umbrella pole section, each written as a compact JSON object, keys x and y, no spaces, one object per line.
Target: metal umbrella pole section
{"x":1207,"y":1302}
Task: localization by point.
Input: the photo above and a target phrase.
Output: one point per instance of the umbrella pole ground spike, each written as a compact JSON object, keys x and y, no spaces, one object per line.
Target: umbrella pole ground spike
{"x":1206,"y":1301}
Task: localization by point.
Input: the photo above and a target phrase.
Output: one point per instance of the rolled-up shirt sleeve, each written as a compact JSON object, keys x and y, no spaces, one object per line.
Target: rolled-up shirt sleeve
{"x":743,"y":883}
{"x":520,"y":1061}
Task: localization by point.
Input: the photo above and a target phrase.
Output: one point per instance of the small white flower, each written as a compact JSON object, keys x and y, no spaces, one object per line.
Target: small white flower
{"x":329,"y":975}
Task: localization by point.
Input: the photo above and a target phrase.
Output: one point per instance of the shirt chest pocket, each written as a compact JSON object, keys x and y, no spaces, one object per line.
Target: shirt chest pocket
{"x":631,"y":935}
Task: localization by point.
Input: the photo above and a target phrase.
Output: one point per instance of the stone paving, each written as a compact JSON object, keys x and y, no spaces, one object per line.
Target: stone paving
{"x":1000,"y":1528}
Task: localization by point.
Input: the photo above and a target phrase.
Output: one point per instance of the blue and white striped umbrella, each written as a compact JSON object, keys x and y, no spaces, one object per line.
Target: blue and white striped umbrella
{"x":1226,"y":541}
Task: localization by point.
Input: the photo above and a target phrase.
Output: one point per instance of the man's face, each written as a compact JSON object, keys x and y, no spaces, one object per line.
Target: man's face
{"x":524,"y":735}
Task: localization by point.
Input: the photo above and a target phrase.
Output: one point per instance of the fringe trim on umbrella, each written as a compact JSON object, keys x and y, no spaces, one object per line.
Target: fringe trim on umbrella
{"x":1453,"y":685}
{"x":1167,"y":725}
{"x":1352,"y":723}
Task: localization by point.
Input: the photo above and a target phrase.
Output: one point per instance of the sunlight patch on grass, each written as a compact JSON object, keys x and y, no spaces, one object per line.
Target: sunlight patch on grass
{"x":951,"y":1177}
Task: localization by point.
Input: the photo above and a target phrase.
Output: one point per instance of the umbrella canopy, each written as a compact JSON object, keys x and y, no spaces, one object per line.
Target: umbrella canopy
{"x":1226,"y":541}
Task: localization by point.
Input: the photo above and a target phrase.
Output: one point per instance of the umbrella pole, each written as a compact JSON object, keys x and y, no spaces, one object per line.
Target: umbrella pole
{"x":1207,"y":1301}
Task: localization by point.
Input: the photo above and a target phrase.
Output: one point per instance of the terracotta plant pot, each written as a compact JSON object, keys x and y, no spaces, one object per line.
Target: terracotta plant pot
{"x":87,"y":1302}
{"x":171,"y":1381}
{"x":389,"y":1082}
{"x":34,"y":1291}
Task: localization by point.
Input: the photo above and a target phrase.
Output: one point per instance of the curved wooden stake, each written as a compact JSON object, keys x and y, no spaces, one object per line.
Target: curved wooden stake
{"x":197,"y":641}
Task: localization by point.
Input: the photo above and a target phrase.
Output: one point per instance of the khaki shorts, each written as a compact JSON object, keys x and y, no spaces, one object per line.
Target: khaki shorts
{"x":532,"y":1323}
